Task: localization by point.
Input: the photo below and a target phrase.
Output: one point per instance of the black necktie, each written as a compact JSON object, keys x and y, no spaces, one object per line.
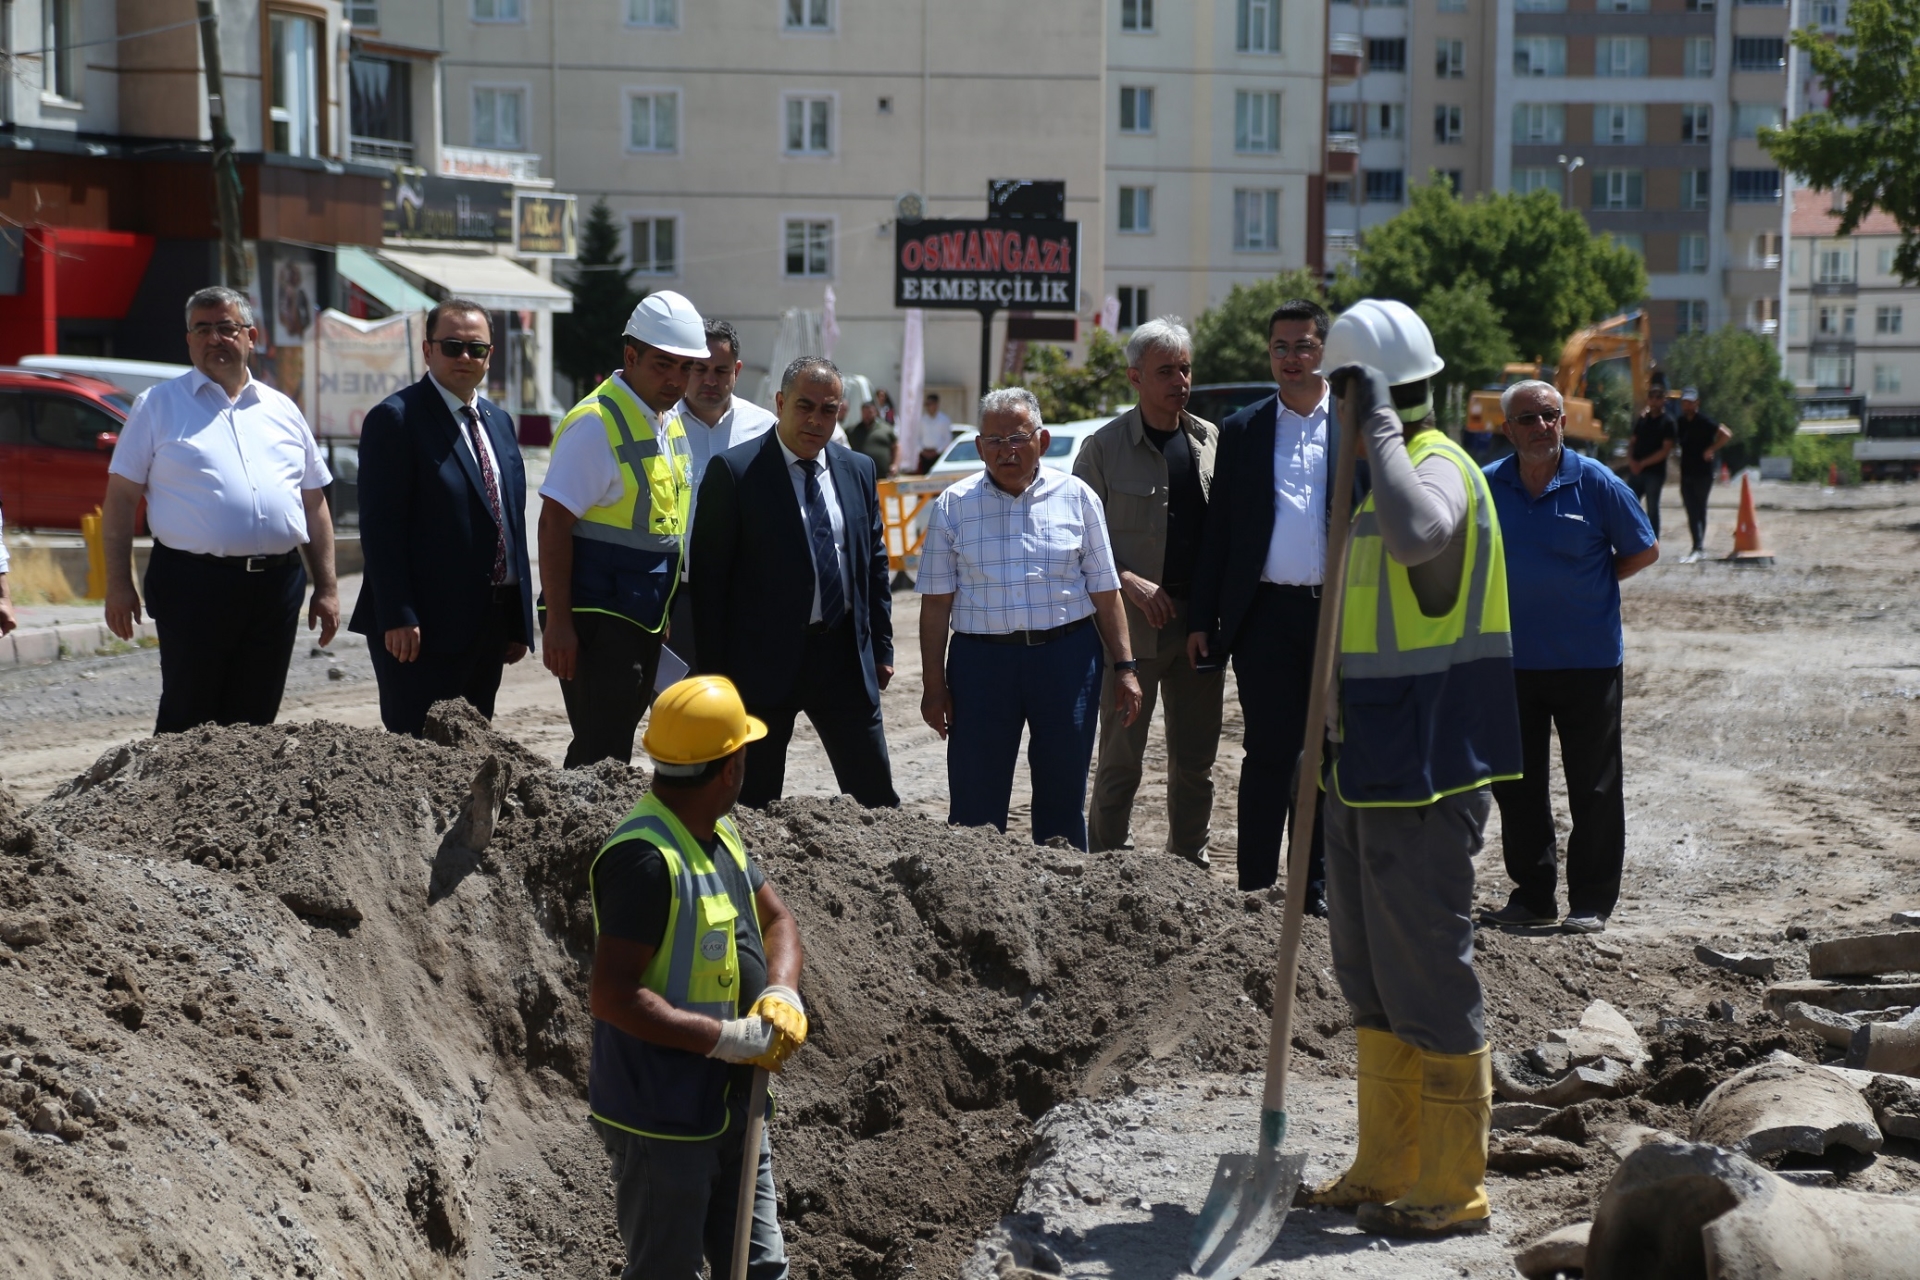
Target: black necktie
{"x":826,"y":556}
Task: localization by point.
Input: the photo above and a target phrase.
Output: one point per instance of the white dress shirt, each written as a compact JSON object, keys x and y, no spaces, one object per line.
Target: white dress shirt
{"x":458,"y":408}
{"x":1297,"y":554}
{"x":743,"y":421}
{"x":835,"y":517}
{"x":582,"y":473}
{"x":1025,"y":563}
{"x":222,"y":477}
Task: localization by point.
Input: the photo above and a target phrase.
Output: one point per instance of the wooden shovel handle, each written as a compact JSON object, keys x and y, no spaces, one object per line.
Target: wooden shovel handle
{"x":749,"y":1174}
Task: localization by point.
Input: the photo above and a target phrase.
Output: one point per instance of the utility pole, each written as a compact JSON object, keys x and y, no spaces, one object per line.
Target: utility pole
{"x":226,"y":174}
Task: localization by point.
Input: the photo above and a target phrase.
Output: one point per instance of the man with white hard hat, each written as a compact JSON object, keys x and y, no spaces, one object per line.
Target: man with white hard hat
{"x":1426,"y":721}
{"x":612,"y":523}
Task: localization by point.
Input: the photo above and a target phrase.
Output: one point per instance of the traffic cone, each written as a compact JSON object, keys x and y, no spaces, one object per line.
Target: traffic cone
{"x":1833,"y":475}
{"x":1746,"y":530}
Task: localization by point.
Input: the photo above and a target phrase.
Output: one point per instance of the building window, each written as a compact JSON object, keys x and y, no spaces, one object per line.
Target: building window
{"x":1339,"y":190}
{"x":1690,"y":315}
{"x":1452,"y":6}
{"x":807,"y":15}
{"x":1620,"y":124}
{"x":1620,"y":56}
{"x":1446,"y":125}
{"x":1759,"y":53}
{"x":1697,"y":60}
{"x":1342,"y":117}
{"x":1535,"y":123}
{"x":381,"y":108}
{"x":1450,"y":59}
{"x":1539,"y":6}
{"x":1622,"y":6}
{"x":1887,"y":320}
{"x":1763,"y":315}
{"x":1700,"y":6}
{"x":1630,"y":240}
{"x":656,"y":246}
{"x":1883,"y":260}
{"x":1385,"y":186}
{"x":1886,"y":378}
{"x":653,"y":121}
{"x":1256,"y":220}
{"x":1133,"y":305}
{"x":1136,"y":109}
{"x":1256,"y":121}
{"x":809,"y":247}
{"x":1136,"y":15}
{"x":1755,"y":186}
{"x":1386,"y":120}
{"x":1387,"y":55}
{"x":293,"y":103}
{"x":1696,"y":123}
{"x":1833,"y":373}
{"x":1764,"y":251}
{"x":58,"y":78}
{"x":1749,"y":118}
{"x":1693,"y":252}
{"x":1833,"y":264}
{"x":364,"y":14}
{"x":1540,"y":56}
{"x":1618,"y":189}
{"x":1528,"y":181}
{"x":1696,"y":189}
{"x":1453,"y":178}
{"x":499,"y":118}
{"x":1257,"y":26}
{"x":809,"y":126}
{"x":653,"y":13}
{"x":499,"y":10}
{"x":1136,"y":209}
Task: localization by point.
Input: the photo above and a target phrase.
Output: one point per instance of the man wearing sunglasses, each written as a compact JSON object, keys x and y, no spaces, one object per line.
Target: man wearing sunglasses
{"x":447,"y":597}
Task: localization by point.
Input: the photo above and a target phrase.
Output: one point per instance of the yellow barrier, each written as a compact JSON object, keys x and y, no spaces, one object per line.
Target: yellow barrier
{"x":901,"y":502}
{"x":90,"y":529}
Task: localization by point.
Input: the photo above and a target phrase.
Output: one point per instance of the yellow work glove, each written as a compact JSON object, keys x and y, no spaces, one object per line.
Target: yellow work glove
{"x":786,"y":1013}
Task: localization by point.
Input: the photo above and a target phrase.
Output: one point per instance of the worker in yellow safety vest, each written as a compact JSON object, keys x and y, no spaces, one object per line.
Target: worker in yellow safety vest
{"x":613,"y":517}
{"x":1426,"y":721}
{"x":696,"y":962}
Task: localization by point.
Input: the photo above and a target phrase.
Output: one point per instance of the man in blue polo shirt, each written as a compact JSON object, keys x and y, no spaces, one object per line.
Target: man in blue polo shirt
{"x":1572,"y":531}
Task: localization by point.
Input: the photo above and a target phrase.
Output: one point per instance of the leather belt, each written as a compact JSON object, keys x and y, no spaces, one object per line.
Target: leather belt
{"x":1029,"y":638}
{"x":251,"y":564}
{"x":1292,"y":589}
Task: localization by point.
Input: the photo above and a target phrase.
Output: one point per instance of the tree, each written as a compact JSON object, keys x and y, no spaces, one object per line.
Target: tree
{"x":1230,"y":340}
{"x":1738,"y":374}
{"x":1067,"y":392}
{"x":1468,"y":335}
{"x":1867,"y":142}
{"x":586,"y":340}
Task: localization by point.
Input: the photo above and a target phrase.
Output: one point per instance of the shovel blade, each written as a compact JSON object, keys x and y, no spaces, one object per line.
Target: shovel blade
{"x":1245,"y":1209}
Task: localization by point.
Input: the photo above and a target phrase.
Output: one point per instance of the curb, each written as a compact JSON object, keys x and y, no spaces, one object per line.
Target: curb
{"x":37,"y":646}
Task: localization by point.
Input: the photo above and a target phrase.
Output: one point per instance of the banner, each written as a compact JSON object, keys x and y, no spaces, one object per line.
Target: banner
{"x":359,"y":363}
{"x":968,"y":265}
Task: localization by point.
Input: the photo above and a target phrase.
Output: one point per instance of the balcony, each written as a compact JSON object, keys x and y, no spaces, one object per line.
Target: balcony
{"x":390,"y":151}
{"x":1346,"y":58}
{"x":1343,"y":154}
{"x":492,"y":166}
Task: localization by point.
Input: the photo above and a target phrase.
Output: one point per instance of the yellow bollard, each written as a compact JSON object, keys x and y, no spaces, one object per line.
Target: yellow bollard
{"x":90,"y":529}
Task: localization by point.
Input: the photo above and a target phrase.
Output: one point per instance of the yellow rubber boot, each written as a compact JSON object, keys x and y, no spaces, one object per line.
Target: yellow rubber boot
{"x":1456,"y":1117}
{"x":1389,"y":1157}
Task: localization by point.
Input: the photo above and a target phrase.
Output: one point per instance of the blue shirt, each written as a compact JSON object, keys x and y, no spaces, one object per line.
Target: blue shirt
{"x":1561,"y":547}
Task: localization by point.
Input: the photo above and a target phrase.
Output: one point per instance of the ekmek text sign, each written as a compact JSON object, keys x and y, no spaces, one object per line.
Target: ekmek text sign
{"x":976,"y":265}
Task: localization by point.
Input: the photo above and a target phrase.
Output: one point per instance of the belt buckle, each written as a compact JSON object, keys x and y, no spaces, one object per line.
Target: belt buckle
{"x":1027,"y":638}
{"x":256,"y":564}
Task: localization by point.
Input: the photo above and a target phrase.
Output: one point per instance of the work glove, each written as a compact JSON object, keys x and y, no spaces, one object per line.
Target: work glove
{"x":1364,"y":387}
{"x":743,"y":1039}
{"x":787,"y":1013}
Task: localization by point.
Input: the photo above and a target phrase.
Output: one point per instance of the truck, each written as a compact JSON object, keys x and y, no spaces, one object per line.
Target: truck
{"x":1889,"y":449}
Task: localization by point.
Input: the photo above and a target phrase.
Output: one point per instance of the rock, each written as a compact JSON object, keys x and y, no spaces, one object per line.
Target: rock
{"x":123,"y":978}
{"x":1555,"y":1252}
{"x":21,"y":934}
{"x":71,"y":1130}
{"x":1553,"y":1060}
{"x":84,"y":1103}
{"x":1624,"y":1140}
{"x":1610,"y":951}
{"x":1525,"y":1152}
{"x":1874,"y":953}
{"x":47,"y":1116}
{"x":1797,"y":933}
{"x":1722,"y":1011}
{"x":1909,"y":918}
{"x":1514,"y":1082}
{"x":1519,"y":1115}
{"x":1887,"y":1046}
{"x":1842,"y":997}
{"x":1835,"y":1028}
{"x":1782,"y":1106}
{"x":131,"y":1014}
{"x":1684,"y":1026}
{"x":1738,"y":962}
{"x":335,"y":673}
{"x":1568,"y":1124}
{"x":320,"y":901}
{"x":1896,"y":1106}
{"x":1602,"y":1033}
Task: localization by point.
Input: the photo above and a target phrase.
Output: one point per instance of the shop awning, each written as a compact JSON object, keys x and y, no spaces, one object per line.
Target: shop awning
{"x":379,"y":281}
{"x":493,"y":282}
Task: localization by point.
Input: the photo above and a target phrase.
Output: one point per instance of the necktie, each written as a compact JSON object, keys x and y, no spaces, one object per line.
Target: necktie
{"x":826,"y":556}
{"x":493,"y":493}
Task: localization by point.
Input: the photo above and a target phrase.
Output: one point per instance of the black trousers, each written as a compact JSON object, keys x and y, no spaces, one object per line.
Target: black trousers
{"x":472,"y":672}
{"x":832,"y":691}
{"x":1647,"y":485}
{"x":1584,"y":705}
{"x":1273,"y":666}
{"x":680,"y":627}
{"x":226,"y":636}
{"x":1694,"y":493}
{"x":611,"y":688}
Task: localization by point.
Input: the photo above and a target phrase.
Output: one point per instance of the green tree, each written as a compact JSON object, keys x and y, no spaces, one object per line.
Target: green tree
{"x":1738,"y":374}
{"x":1867,"y":142}
{"x":1468,"y":335}
{"x":586,"y":340}
{"x":1230,"y":340}
{"x":1068,"y":392}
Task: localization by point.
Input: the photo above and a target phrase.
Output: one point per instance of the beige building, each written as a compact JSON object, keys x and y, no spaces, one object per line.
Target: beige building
{"x":1848,"y":331}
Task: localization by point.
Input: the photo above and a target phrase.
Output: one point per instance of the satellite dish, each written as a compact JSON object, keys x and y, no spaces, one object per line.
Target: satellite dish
{"x":910,"y":208}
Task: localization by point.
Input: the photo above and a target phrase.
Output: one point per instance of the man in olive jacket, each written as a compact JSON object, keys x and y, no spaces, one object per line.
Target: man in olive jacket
{"x":1152,"y":468}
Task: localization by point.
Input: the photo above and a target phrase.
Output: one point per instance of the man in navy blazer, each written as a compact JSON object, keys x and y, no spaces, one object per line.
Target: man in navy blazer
{"x":446,"y":598}
{"x":791,"y":598}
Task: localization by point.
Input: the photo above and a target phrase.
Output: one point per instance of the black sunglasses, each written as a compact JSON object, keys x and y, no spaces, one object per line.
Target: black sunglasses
{"x":453,"y":348}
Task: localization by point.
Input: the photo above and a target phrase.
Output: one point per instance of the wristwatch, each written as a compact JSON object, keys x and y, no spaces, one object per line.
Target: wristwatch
{"x":1131,"y":664}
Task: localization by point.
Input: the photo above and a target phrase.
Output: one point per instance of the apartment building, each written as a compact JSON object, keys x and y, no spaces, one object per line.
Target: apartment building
{"x":1213,"y":118}
{"x":1853,"y":327}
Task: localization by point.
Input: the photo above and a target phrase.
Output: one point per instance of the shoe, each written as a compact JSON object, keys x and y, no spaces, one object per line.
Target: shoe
{"x":1456,"y":1119}
{"x":1585,"y":922}
{"x":1517,"y":915}
{"x":1198,"y":857}
{"x":1388,"y":1161}
{"x":1690,"y":557}
{"x":1317,"y":901}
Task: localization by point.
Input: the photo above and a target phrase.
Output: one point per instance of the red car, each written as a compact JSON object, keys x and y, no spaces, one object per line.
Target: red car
{"x":57,"y":432}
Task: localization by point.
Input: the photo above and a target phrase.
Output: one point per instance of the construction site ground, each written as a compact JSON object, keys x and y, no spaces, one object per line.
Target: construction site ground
{"x":360,"y":1044}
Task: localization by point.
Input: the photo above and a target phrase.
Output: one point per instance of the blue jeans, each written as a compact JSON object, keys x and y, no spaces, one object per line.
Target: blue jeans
{"x":674,"y":1202}
{"x":1053,"y":691}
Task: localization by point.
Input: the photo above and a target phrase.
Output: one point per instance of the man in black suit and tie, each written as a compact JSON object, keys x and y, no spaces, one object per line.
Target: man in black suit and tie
{"x":791,"y":601}
{"x":1256,"y":590}
{"x":446,"y":599}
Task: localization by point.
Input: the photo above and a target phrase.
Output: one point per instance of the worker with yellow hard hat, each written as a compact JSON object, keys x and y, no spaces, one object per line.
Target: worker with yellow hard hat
{"x":696,"y":966}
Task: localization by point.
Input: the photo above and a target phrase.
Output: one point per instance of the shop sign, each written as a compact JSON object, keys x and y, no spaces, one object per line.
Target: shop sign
{"x":979,"y":265}
{"x":544,"y":226}
{"x":422,"y":206}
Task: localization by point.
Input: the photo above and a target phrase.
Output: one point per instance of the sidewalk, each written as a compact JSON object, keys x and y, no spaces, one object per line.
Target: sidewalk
{"x":51,"y":632}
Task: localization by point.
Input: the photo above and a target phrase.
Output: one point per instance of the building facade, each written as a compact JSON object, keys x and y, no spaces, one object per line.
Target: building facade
{"x":1850,"y":318}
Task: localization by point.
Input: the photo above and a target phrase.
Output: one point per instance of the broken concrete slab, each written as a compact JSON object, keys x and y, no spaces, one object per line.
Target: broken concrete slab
{"x":1754,"y":966}
{"x":1552,"y":1060}
{"x":1786,"y":1106}
{"x":1680,"y":1026}
{"x":1873,"y":953}
{"x":1525,"y":1152}
{"x":1896,"y":1106}
{"x":1842,"y":997}
{"x":1519,"y":1115}
{"x":1892,"y":1047}
{"x":1602,"y":1033}
{"x":1515,"y":1082}
{"x":1835,"y":1028}
{"x":1625,"y":1139}
{"x":1909,"y":918}
{"x":1564,"y":1250}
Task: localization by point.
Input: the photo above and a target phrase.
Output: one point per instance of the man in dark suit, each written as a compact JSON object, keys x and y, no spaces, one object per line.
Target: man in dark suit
{"x":791,"y":601}
{"x":1256,"y":590}
{"x":447,"y":598}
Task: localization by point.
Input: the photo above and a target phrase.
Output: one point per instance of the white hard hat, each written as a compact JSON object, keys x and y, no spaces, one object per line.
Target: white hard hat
{"x":1386,"y":334}
{"x":668,"y":321}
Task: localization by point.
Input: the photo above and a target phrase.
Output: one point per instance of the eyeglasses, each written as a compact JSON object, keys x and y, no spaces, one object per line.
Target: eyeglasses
{"x":453,"y":348}
{"x":1546,"y":419}
{"x":1305,"y":350}
{"x":1006,"y":442}
{"x":225,"y":329}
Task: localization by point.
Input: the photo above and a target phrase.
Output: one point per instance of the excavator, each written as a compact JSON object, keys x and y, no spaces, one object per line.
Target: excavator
{"x":1627,"y":336}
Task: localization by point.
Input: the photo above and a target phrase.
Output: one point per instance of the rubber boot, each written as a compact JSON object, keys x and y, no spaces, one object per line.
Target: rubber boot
{"x":1456,"y":1117}
{"x":1389,"y":1157}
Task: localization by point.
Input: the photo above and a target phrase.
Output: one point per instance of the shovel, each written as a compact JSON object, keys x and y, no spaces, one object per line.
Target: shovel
{"x":1248,"y":1202}
{"x":749,"y":1174}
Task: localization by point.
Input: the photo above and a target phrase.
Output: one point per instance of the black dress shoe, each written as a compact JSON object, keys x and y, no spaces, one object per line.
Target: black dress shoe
{"x":1317,"y":901}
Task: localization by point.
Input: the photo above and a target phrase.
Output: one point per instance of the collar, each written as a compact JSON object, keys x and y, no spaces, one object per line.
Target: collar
{"x":689,"y":418}
{"x":1031,"y":491}
{"x":198,"y":382}
{"x":454,"y":403}
{"x":1137,"y":426}
{"x":1320,"y":410}
{"x":1566,"y":473}
{"x":653,"y":418}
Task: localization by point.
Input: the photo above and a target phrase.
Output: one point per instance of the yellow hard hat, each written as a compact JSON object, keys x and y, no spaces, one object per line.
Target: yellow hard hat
{"x":698,"y":720}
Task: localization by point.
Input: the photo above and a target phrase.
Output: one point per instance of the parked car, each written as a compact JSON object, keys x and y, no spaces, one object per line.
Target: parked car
{"x":131,"y":376}
{"x":57,"y":433}
{"x":1218,"y":401}
{"x":962,"y":457}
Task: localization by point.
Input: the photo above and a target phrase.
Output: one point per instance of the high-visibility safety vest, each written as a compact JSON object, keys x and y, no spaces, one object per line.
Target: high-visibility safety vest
{"x":626,"y":555}
{"x":650,"y":1089}
{"x":1427,"y":704}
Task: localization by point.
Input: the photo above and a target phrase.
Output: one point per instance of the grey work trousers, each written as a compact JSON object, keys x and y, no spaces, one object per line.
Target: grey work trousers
{"x":1193,"y":706}
{"x":1400,"y":902}
{"x":674,"y":1202}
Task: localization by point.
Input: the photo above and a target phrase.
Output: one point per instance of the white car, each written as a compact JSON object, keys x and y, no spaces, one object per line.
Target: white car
{"x":963,"y":455}
{"x":131,"y":376}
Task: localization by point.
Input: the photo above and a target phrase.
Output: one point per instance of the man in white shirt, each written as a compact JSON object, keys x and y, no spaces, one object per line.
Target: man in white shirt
{"x":7,"y":623}
{"x":233,"y":483}
{"x":935,"y":433}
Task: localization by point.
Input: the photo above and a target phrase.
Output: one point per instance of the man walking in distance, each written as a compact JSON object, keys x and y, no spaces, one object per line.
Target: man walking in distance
{"x":1017,"y":562}
{"x":1699,"y":437}
{"x":1572,"y":532}
{"x":935,"y":433}
{"x":1256,"y":593}
{"x":696,"y":969}
{"x":1151,"y":468}
{"x":791,"y":600}
{"x":1653,"y":440}
{"x":612,"y":519}
{"x":447,"y":596}
{"x":233,"y":482}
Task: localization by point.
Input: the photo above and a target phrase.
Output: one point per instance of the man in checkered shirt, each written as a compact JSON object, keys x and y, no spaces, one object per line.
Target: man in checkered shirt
{"x":1016,"y":563}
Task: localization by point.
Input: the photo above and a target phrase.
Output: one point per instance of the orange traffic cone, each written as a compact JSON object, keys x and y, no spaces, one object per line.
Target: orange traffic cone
{"x":1746,"y":531}
{"x":1833,"y":475}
